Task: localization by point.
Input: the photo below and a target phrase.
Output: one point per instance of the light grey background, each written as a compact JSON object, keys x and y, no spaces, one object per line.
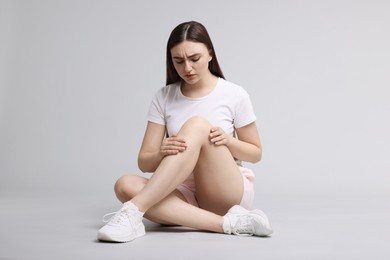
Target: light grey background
{"x":76,"y":79}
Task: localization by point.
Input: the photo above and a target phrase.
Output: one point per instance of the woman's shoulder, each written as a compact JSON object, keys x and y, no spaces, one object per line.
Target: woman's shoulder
{"x":167,"y":90}
{"x":232,"y":87}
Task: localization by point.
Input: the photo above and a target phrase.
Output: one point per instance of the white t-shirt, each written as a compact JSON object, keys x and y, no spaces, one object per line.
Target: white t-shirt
{"x":227,"y":106}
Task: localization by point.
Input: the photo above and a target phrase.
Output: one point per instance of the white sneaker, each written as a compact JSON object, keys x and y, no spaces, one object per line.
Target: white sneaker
{"x":242,"y":222}
{"x":124,"y":226}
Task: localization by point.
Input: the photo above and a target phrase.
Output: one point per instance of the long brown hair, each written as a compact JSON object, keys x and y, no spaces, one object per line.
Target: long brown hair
{"x":195,"y":32}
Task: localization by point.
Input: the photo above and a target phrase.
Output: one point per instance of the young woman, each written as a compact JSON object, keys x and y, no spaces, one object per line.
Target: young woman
{"x":200,"y":127}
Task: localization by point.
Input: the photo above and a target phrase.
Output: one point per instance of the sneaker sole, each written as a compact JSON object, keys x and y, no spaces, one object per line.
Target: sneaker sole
{"x":122,"y":239}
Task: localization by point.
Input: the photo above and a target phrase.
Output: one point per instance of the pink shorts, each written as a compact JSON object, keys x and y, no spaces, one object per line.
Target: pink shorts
{"x":188,"y":188}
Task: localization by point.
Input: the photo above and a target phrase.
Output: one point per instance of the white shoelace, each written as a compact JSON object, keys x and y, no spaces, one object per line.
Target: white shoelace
{"x":116,"y":218}
{"x":110,"y":215}
{"x":243,"y":227}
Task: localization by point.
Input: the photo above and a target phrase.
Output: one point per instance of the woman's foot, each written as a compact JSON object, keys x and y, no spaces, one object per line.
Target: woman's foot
{"x":242,"y":222}
{"x":124,"y":226}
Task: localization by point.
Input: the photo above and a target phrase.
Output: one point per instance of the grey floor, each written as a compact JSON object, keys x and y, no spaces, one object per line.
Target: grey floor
{"x":307,"y":226}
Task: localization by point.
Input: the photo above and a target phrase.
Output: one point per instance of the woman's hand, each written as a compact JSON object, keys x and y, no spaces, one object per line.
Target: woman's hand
{"x":172,"y":145}
{"x":219,"y":137}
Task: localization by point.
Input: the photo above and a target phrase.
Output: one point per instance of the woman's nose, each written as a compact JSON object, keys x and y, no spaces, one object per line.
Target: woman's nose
{"x":187,"y":66}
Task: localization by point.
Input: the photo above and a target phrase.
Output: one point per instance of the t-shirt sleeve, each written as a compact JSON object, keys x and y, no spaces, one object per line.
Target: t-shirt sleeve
{"x":156,"y":110}
{"x":244,"y":113}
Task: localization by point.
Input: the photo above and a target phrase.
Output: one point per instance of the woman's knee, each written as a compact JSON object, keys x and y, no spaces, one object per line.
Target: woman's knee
{"x":197,"y":124}
{"x":126,"y":187}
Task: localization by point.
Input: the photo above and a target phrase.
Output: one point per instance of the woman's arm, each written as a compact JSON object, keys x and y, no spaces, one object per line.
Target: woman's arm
{"x":149,"y":156}
{"x":247,"y":147}
{"x":155,"y":147}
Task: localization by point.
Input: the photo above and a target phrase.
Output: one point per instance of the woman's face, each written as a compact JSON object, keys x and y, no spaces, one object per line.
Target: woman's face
{"x":191,"y":61}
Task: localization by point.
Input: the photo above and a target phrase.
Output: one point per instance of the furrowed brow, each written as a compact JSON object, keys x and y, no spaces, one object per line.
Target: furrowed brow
{"x":191,"y":56}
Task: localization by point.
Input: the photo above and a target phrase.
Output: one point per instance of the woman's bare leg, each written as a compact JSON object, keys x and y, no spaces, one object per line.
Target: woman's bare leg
{"x":172,"y":210}
{"x":204,"y":159}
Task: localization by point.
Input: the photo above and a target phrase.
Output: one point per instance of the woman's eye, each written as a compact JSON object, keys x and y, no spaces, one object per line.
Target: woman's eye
{"x":182,"y":61}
